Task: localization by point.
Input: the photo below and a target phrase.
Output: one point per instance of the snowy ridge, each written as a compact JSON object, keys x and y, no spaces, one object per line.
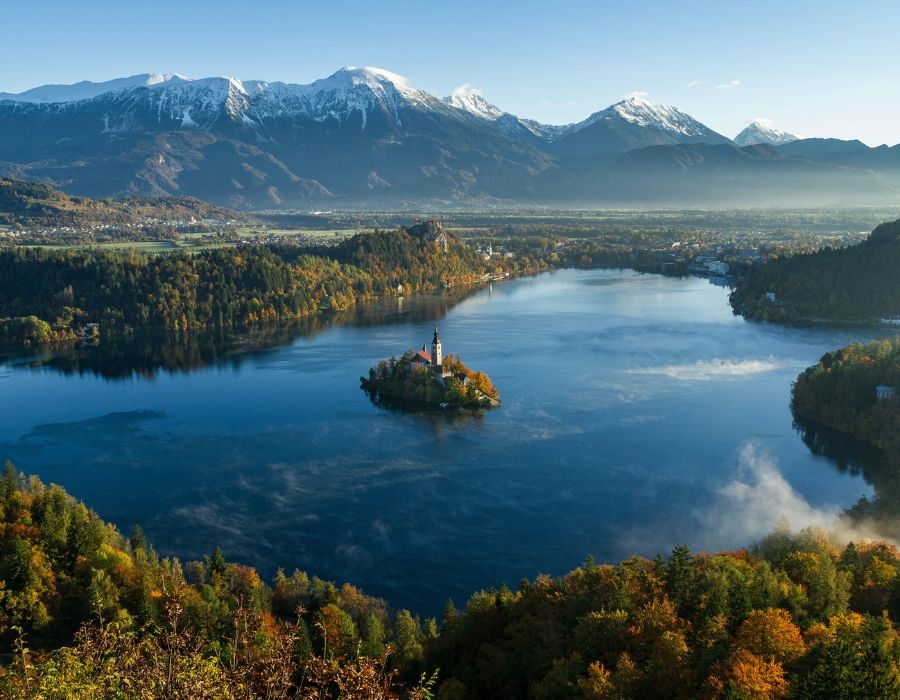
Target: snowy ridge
{"x":644,"y":113}
{"x":198,"y":103}
{"x":470,"y":100}
{"x":349,"y":93}
{"x":761,"y":131}
{"x":357,"y":89}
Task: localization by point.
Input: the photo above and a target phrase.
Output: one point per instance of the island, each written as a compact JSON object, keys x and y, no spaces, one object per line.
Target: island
{"x":426,"y":378}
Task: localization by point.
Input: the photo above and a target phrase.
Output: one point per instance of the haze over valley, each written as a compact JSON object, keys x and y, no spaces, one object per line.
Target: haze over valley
{"x":366,"y":137}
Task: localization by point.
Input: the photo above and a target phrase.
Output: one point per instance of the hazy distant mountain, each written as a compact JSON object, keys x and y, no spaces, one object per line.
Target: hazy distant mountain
{"x":366,"y":136}
{"x":629,"y":124}
{"x":854,"y":154}
{"x":697,"y":174}
{"x":86,"y":89}
{"x":759,"y":131}
{"x":359,"y":134}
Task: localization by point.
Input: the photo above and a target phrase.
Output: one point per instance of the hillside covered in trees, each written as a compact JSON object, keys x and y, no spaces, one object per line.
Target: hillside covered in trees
{"x":839,"y":392}
{"x":88,"y":613}
{"x":31,"y":204}
{"x":47,"y":295}
{"x":859,"y":283}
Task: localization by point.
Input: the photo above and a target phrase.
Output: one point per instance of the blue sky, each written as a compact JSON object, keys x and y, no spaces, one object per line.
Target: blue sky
{"x":815,"y":68}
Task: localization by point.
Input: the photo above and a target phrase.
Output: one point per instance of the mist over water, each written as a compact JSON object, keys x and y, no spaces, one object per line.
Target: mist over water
{"x":638,"y":413}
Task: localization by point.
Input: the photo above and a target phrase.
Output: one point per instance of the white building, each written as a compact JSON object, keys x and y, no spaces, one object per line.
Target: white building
{"x":883,"y":392}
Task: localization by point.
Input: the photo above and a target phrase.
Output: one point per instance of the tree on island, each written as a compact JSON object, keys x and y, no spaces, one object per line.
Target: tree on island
{"x":402,"y":380}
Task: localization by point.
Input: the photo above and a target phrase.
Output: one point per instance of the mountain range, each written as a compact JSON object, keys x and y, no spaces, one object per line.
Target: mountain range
{"x":365,"y":136}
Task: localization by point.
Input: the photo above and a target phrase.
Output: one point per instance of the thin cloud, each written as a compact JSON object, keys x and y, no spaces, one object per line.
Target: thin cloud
{"x":636,"y":93}
{"x":706,"y":370}
{"x":694,"y":83}
{"x":729,"y":85}
{"x":465,"y":89}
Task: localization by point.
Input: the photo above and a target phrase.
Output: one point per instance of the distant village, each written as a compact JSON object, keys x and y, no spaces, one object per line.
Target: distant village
{"x":15,"y":233}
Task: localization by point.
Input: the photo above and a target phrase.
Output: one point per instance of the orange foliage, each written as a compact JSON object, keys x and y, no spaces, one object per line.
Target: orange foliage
{"x":750,"y":676}
{"x":771,"y":634}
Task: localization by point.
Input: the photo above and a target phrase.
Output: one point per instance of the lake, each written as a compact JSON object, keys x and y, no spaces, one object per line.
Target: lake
{"x":638,"y":413}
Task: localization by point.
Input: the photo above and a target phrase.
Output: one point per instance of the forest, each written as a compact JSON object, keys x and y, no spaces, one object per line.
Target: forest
{"x":86,"y":612}
{"x":858,"y":283}
{"x":48,"y":295}
{"x":839,"y":392}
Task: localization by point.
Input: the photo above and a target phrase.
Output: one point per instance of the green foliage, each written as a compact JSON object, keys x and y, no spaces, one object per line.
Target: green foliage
{"x":839,"y":392}
{"x":730,"y":625}
{"x":223,"y":288}
{"x":116,"y":614}
{"x":858,"y":283}
{"x":86,"y":613}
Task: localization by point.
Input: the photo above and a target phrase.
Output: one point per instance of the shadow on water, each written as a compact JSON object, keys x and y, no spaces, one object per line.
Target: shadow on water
{"x":880,"y":469}
{"x":453,"y":415}
{"x":147,"y":354}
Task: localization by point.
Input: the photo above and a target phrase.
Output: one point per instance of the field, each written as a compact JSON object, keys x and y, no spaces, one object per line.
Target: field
{"x":205,"y":240}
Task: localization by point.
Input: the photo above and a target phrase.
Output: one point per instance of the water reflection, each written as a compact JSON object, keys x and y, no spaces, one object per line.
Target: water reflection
{"x":880,"y":469}
{"x":626,"y":405}
{"x":436,"y":416}
{"x":145,"y":355}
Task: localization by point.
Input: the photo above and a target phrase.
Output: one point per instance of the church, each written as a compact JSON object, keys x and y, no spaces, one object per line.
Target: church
{"x":431,"y":360}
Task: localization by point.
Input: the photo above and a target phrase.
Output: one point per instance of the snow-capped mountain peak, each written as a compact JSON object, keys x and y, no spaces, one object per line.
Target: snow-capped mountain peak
{"x":354,"y":89}
{"x":470,"y":100}
{"x":641,"y":112}
{"x":761,"y":131}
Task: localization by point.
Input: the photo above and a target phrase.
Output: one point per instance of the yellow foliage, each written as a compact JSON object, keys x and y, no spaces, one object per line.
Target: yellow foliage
{"x":752,"y":677}
{"x":771,"y":634}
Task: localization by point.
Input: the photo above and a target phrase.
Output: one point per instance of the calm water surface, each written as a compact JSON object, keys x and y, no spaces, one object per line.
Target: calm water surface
{"x":638,"y":413}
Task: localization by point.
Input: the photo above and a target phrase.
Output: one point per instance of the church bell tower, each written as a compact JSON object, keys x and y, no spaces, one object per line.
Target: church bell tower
{"x":436,"y":356}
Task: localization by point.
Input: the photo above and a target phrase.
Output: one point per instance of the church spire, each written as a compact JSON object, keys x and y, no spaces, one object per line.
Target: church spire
{"x":436,"y":354}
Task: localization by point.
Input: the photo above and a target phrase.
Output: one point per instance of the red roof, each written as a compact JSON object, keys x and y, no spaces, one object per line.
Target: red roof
{"x":424,"y":356}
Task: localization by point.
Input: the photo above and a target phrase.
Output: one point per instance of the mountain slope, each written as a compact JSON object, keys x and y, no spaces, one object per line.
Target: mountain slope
{"x":358,"y":134}
{"x":760,"y":132}
{"x":700,"y":174}
{"x":37,"y":204}
{"x":629,"y":124}
{"x":472,"y":102}
{"x":365,"y":136}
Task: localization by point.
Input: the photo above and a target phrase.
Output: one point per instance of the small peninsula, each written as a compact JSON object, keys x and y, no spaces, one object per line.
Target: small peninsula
{"x":857,"y":284}
{"x":426,"y":377}
{"x":853,"y":391}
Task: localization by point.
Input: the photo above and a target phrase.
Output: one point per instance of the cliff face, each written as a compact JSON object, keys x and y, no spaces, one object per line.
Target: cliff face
{"x":430,"y":231}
